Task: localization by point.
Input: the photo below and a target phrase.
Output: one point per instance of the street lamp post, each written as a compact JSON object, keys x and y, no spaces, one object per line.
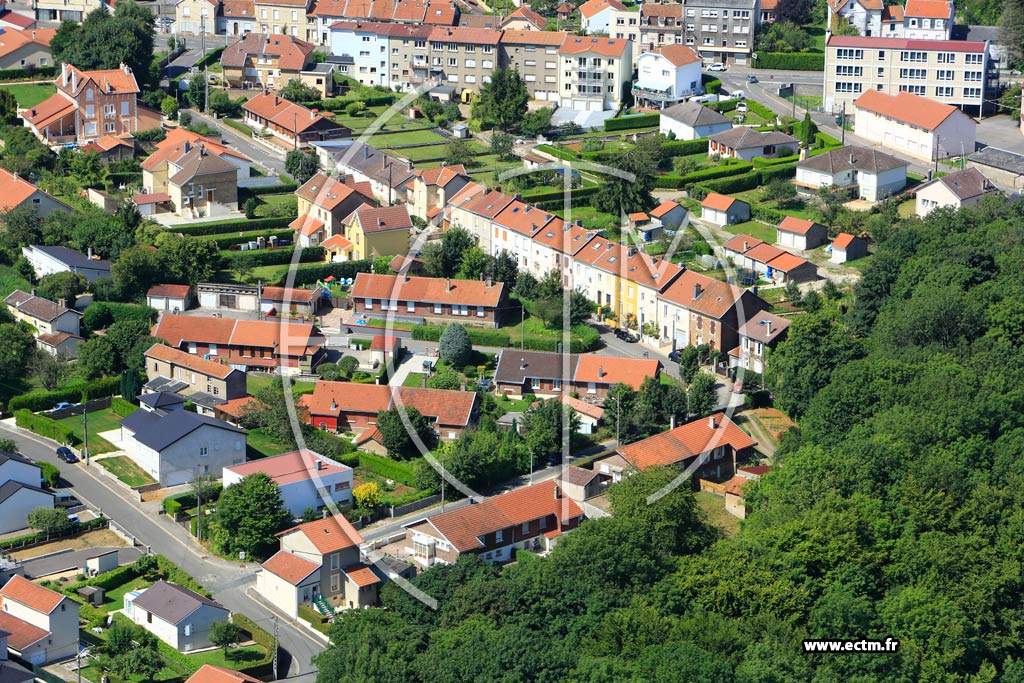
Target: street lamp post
{"x":618,"y":418}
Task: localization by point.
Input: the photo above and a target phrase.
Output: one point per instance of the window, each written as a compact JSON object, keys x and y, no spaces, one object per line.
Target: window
{"x":335,"y":561}
{"x":974,"y":59}
{"x":556,"y":384}
{"x":341,"y":486}
{"x":913,"y":89}
{"x":470,"y":79}
{"x":945,"y":74}
{"x":188,"y":629}
{"x":947,"y":58}
{"x":277,"y":14}
{"x":90,"y":111}
{"x":535,"y":383}
{"x":499,"y":536}
{"x":410,"y":306}
{"x":848,"y":87}
{"x":972,"y":76}
{"x":437,"y":309}
{"x":479,"y":311}
{"x":295,"y":15}
{"x":972,"y":93}
{"x":488,"y":64}
{"x":368,"y":304}
{"x":335,"y":583}
{"x":526,"y":527}
{"x":204,"y":451}
{"x":263,"y":14}
{"x":453,"y":61}
{"x":849,"y":53}
{"x":944,"y":91}
{"x":913,"y":56}
{"x":848,"y":70}
{"x":914,"y":74}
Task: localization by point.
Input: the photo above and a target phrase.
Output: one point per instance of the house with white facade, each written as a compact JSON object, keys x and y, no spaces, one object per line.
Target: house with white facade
{"x":928,"y":19}
{"x":594,"y":73}
{"x":800,"y":233}
{"x":20,"y":492}
{"x":846,"y":247}
{"x":42,"y":623}
{"x":874,"y":175}
{"x":596,"y":15}
{"x":305,"y":479}
{"x":746,"y":143}
{"x":666,"y":76}
{"x":166,"y":297}
{"x":49,"y":260}
{"x":863,"y":15}
{"x":176,"y":615}
{"x":723,"y":210}
{"x":956,"y":190}
{"x":691,"y":120}
{"x":173,"y":446}
{"x":915,"y":125}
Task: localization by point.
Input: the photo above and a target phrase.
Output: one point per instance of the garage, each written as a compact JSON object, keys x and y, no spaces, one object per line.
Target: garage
{"x":595,"y":106}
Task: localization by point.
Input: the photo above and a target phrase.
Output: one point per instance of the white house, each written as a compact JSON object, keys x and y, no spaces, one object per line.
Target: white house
{"x":43,"y":624}
{"x":864,"y":15}
{"x":174,"y":445}
{"x":305,"y":479}
{"x":667,"y":75}
{"x":928,"y":19}
{"x":19,"y":491}
{"x":670,"y":213}
{"x":691,"y":120}
{"x":49,"y":260}
{"x":800,"y":233}
{"x":174,"y":614}
{"x":846,"y":247}
{"x":368,"y":47}
{"x":915,"y":125}
{"x":746,"y":143}
{"x":722,"y":210}
{"x":594,"y":72}
{"x":875,"y":174}
{"x":956,"y":190}
{"x":596,"y":15}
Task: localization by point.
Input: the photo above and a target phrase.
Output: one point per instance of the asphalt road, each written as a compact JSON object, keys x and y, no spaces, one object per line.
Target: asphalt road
{"x":226,"y":580}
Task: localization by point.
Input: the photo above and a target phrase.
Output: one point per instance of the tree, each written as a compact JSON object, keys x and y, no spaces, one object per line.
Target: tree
{"x":536,"y":122}
{"x":444,"y":379}
{"x":135,"y":271}
{"x":243,"y":265}
{"x":397,"y":438}
{"x":503,"y":101}
{"x":443,"y":257}
{"x":1011,"y":29}
{"x":780,"y":191}
{"x":367,"y":496}
{"x":188,"y":260}
{"x":8,"y":446}
{"x":142,"y":662}
{"x":105,"y":40}
{"x":301,"y":166}
{"x":503,"y":268}
{"x":473,"y":263}
{"x":222,"y":105}
{"x":674,"y":522}
{"x":124,"y":334}
{"x":297,"y":91}
{"x":501,"y":144}
{"x":15,"y":349}
{"x":50,"y":521}
{"x":21,"y":227}
{"x":543,"y":425}
{"x":701,"y":398}
{"x":248,"y":516}
{"x":355,"y":109}
{"x":458,"y":153}
{"x":455,"y":347}
{"x":130,"y":385}
{"x":382,"y":265}
{"x":169,"y":107}
{"x":47,"y":369}
{"x":8,"y":108}
{"x":196,"y":93}
{"x":632,"y":193}
{"x":225,"y":635}
{"x":806,"y":131}
{"x":97,"y":358}
{"x":24,"y":154}
{"x":120,"y":638}
{"x":793,"y":11}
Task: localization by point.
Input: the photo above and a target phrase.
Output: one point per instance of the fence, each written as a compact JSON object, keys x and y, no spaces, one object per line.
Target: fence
{"x":400,"y":510}
{"x":88,"y":407}
{"x":712,"y":488}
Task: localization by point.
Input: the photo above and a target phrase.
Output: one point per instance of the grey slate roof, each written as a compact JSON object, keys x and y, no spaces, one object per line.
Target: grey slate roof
{"x":36,"y":306}
{"x":540,"y":364}
{"x":72,"y":258}
{"x":162,"y":399}
{"x":12,"y":487}
{"x":745,"y":137}
{"x":17,"y":457}
{"x":1002,"y":159}
{"x":693,"y":114}
{"x":965,"y":184}
{"x":12,"y":673}
{"x":158,"y":431}
{"x":172,"y":602}
{"x":371,"y":162}
{"x":757,"y":327}
{"x":861,"y":158}
{"x":165,"y":384}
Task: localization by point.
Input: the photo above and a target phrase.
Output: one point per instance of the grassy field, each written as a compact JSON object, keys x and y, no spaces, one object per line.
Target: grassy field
{"x":714,"y":507}
{"x":260,"y":445}
{"x":412,"y":137}
{"x":592,"y":218}
{"x":31,"y":94}
{"x":99,"y":421}
{"x":754,"y":229}
{"x":122,"y":467}
{"x":254,"y":382}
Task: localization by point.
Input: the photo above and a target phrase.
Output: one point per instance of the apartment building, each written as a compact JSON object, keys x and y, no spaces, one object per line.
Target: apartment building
{"x":383,"y":53}
{"x":265,"y":61}
{"x":436,"y":300}
{"x":534,"y":54}
{"x":594,"y":72}
{"x":719,"y":30}
{"x":624,"y":23}
{"x":474,"y":209}
{"x":283,"y":17}
{"x":189,"y":374}
{"x":915,"y":125}
{"x":662,"y":24}
{"x":408,"y":49}
{"x":957,"y":72}
{"x":60,"y":10}
{"x":326,"y":13}
{"x":463,"y":57}
{"x":236,"y":17}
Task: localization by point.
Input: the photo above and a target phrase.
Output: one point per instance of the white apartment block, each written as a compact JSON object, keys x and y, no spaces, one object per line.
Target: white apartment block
{"x":594,"y":72}
{"x":956,"y":72}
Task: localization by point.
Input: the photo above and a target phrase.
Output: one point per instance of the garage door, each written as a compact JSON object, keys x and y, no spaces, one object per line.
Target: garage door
{"x":595,"y":106}
{"x":579,"y":105}
{"x":159,"y":304}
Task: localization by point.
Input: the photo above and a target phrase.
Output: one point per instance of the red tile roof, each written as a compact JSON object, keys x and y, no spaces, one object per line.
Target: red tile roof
{"x":763,"y":253}
{"x":328,"y":535}
{"x":686,"y":441}
{"x":449,"y":407}
{"x":51,"y":109}
{"x":307,"y":225}
{"x":176,"y":291}
{"x":592,"y":7}
{"x":9,"y":17}
{"x":187,"y":360}
{"x":31,"y":594}
{"x":718,"y":202}
{"x":547,"y":38}
{"x":462,"y":34}
{"x":906,"y":44}
{"x":336,"y":242}
{"x":606,"y":47}
{"x":21,"y":633}
{"x":713,"y":297}
{"x":755,"y":470}
{"x":906,"y":108}
{"x":523,"y":218}
{"x":382,"y":342}
{"x":463,"y":527}
{"x":333,"y":398}
{"x":742,"y":243}
{"x":14,"y":190}
{"x":614,"y":370}
{"x":843,"y":240}
{"x":787,"y":262}
{"x":208,"y":673}
{"x":287,"y":115}
{"x":180,"y":142}
{"x":381,"y":219}
{"x":286,"y":338}
{"x":799,"y":226}
{"x":428,"y":290}
{"x":288,"y":468}
{"x":287,"y":294}
{"x":663,"y":208}
{"x":931,"y":9}
{"x":441,"y":175}
{"x":734,"y":487}
{"x":679,"y":55}
{"x":12,"y":40}
{"x":529,"y":15}
{"x":118,"y":81}
{"x":361,"y":575}
{"x":289,"y":567}
{"x":327,"y":192}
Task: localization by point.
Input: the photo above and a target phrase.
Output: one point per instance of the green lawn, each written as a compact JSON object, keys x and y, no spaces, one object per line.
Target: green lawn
{"x":592,"y":218}
{"x":99,"y":421}
{"x":31,"y":94}
{"x":412,"y":137}
{"x":754,"y":229}
{"x":414,"y":379}
{"x":254,"y":382}
{"x":122,"y":467}
{"x":261,"y":445}
{"x":513,"y":405}
{"x":113,"y":600}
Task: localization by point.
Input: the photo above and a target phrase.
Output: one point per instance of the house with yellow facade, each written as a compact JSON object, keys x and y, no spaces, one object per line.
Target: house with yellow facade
{"x":324,"y":203}
{"x":265,"y":60}
{"x":287,"y":17}
{"x":378,"y":231}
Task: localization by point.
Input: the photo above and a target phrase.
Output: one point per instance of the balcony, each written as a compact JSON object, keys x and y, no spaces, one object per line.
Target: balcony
{"x":663,"y":96}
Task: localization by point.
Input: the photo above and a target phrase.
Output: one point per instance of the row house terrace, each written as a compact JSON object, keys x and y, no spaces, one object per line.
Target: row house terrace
{"x":287,"y":348}
{"x":434,"y":300}
{"x":462,"y":57}
{"x":382,"y":52}
{"x":323,"y":204}
{"x":549,"y":375}
{"x":697,"y":309}
{"x":292,"y":123}
{"x":326,"y":13}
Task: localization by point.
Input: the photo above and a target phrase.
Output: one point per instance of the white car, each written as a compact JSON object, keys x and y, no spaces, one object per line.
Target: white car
{"x":717,"y":66}
{"x":741,"y":108}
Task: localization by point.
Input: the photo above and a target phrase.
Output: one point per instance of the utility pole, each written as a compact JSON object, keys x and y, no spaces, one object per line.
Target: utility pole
{"x":442,"y":479}
{"x":199,"y":504}
{"x":206,"y":73}
{"x":275,"y":647}
{"x":842,"y":124}
{"x":85,"y":430}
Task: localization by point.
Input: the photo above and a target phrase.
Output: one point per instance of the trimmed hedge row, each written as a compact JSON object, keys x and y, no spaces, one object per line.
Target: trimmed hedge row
{"x":558,"y":152}
{"x":773,"y":172}
{"x":763,"y":213}
{"x":122,"y":407}
{"x":723,"y":107}
{"x":224,"y":242}
{"x":346,"y":269}
{"x":388,"y":468}
{"x":44,"y":426}
{"x":761,"y":110}
{"x":234,"y":225}
{"x":274,"y":257}
{"x":25,"y":74}
{"x":634,"y":121}
{"x":584,"y":338}
{"x":796,"y":61}
{"x":551,"y":195}
{"x":747,"y":181}
{"x":339,"y":103}
{"x":682,"y":148}
{"x":108,"y":581}
{"x":826,"y":140}
{"x":34,"y":401}
{"x":286,"y":187}
{"x":711,"y":84}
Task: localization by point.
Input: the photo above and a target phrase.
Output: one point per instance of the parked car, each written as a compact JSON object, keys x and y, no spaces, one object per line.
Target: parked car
{"x":717,"y":66}
{"x":751,"y":78}
{"x":627,"y":336}
{"x":73,"y":519}
{"x":674,"y":356}
{"x":742,"y":107}
{"x":64,"y":499}
{"x":486,"y":384}
{"x":65,"y":455}
{"x":62,"y":405}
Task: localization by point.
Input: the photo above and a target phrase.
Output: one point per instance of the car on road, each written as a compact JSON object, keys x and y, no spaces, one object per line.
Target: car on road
{"x":65,"y":455}
{"x":717,"y":66}
{"x":751,"y":78}
{"x":626,"y":335}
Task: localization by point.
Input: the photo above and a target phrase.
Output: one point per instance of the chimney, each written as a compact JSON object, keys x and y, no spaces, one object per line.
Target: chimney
{"x":62,"y":302}
{"x":74,"y":81}
{"x":558,"y":492}
{"x":33,"y":35}
{"x":275,"y":100}
{"x":768,"y":324}
{"x":380,"y":222}
{"x":319,"y":465}
{"x":672,"y":422}
{"x":90,"y":252}
{"x":312,"y":114}
{"x":522,"y":361}
{"x":696,"y":291}
{"x":187,"y":147}
{"x":711,"y":422}
{"x":366,"y":152}
{"x":745,"y":247}
{"x":64,"y":74}
{"x":334,"y":404}
{"x":448,"y":285}
{"x":600,"y":371}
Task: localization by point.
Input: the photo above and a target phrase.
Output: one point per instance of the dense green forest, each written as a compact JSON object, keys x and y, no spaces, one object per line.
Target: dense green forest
{"x":897,"y":510}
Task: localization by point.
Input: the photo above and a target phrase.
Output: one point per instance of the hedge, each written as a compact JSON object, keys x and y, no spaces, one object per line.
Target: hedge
{"x":35,"y":401}
{"x":273,"y":257}
{"x":682,"y":148}
{"x":826,"y":140}
{"x":117,"y":179}
{"x":224,"y":242}
{"x":50,"y":473}
{"x":234,"y":225}
{"x":28,"y":540}
{"x":711,"y":84}
{"x":315,"y":619}
{"x":676,"y":181}
{"x":584,"y":338}
{"x":44,"y":426}
{"x":105,"y":313}
{"x":388,"y":468}
{"x":122,"y":407}
{"x":25,"y":74}
{"x":392,"y":500}
{"x":724,"y":106}
{"x":763,"y":213}
{"x":344,"y":269}
{"x":552,"y":195}
{"x":773,"y":172}
{"x":634,"y":121}
{"x":108,"y":581}
{"x":739,"y":183}
{"x":187,"y":499}
{"x":339,"y":103}
{"x":795,"y":61}
{"x":285,"y":187}
{"x":558,"y":152}
{"x":761,"y":162}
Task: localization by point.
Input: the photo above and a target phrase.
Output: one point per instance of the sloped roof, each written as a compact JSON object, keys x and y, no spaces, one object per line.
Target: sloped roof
{"x":288,"y":115}
{"x":328,"y":535}
{"x":72,"y":258}
{"x":382,"y":219}
{"x":14,"y":190}
{"x":208,"y":673}
{"x":929,"y":9}
{"x":32,"y":595}
{"x":21,"y":633}
{"x":428,"y":289}
{"x":718,"y":202}
{"x":12,"y":40}
{"x":609,"y":370}
{"x":592,"y":7}
{"x":292,"y":53}
{"x":288,"y":468}
{"x":703,"y":294}
{"x":158,"y":431}
{"x":290,"y":567}
{"x":197,"y":163}
{"x":664,"y":208}
{"x":765,"y":327}
{"x":965,"y":184}
{"x":843,"y":240}
{"x":515,"y":365}
{"x":53,"y":108}
{"x":36,"y":306}
{"x":527,"y":14}
{"x":678,"y":55}
{"x":172,"y":602}
{"x":686,"y":441}
{"x":799,"y":226}
{"x":863,"y":159}
{"x":120,"y":81}
{"x":464,"y":34}
{"x":174,"y":291}
{"x":606,"y":47}
{"x":745,"y":137}
{"x":693,"y":114}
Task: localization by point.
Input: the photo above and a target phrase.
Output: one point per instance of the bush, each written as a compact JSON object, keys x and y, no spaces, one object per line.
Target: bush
{"x":675,"y":181}
{"x":273,"y":257}
{"x":824,"y":140}
{"x":635,"y":121}
{"x":35,"y":539}
{"x":396,"y":500}
{"x":773,"y":172}
{"x":387,"y":468}
{"x":711,"y":84}
{"x":723,"y":107}
{"x":24,"y":74}
{"x":285,"y":187}
{"x":44,"y":426}
{"x":122,"y":407}
{"x":344,"y":269}
{"x":35,"y":401}
{"x":309,"y":614}
{"x":796,"y":61}
{"x":50,"y":473}
{"x":762,"y":213}
{"x":682,"y":148}
{"x":103,"y":314}
{"x":553,"y":195}
{"x":234,"y":225}
{"x":747,"y":181}
{"x":108,"y":581}
{"x":761,"y":110}
{"x":150,"y":135}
